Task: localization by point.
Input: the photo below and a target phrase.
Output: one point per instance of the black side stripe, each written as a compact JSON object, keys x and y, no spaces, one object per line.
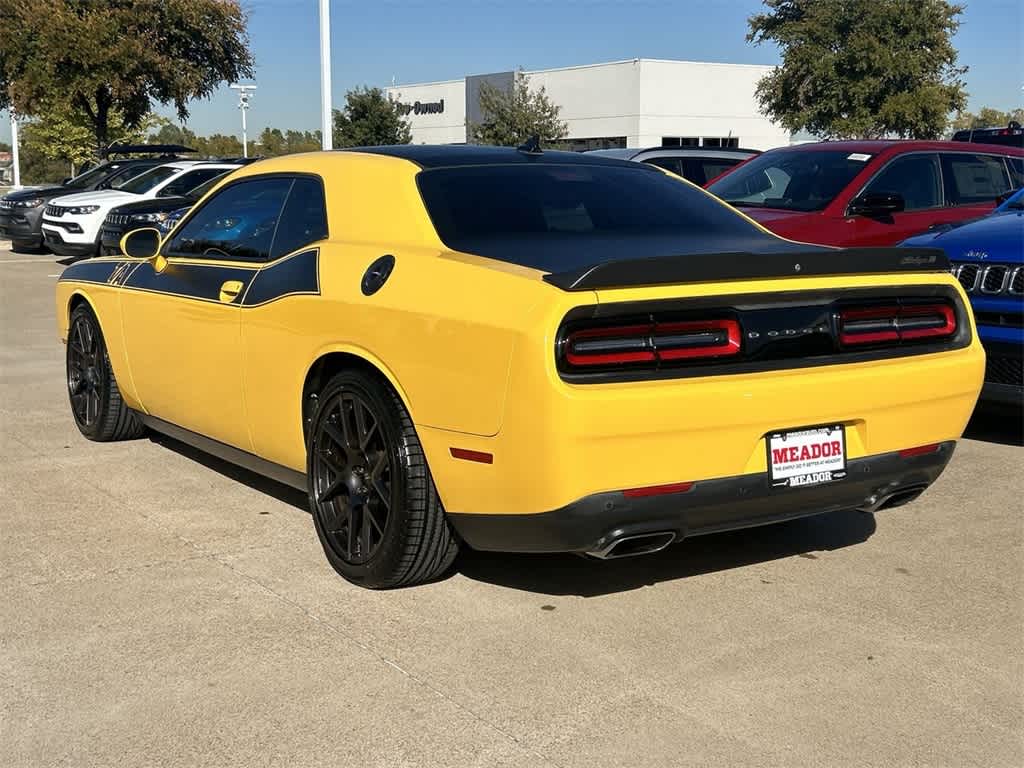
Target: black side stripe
{"x":94,"y":271}
{"x":295,"y":275}
{"x":190,"y":280}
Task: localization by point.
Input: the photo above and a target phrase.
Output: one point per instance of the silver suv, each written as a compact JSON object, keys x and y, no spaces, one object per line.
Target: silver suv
{"x":697,"y":164}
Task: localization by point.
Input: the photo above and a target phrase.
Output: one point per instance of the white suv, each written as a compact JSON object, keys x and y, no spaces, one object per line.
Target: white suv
{"x":71,"y":224}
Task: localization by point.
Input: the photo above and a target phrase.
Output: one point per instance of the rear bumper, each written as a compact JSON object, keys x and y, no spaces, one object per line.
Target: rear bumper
{"x":591,"y":523}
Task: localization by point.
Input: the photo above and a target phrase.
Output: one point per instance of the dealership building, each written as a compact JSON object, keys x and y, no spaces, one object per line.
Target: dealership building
{"x":634,"y":103}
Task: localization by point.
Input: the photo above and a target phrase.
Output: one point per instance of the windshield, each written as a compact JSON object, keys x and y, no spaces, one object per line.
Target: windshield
{"x":791,"y":180}
{"x":87,"y":179}
{"x":559,"y":217}
{"x":146,"y":181}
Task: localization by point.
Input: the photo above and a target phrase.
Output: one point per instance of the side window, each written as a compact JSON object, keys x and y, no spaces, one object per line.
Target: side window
{"x":715,"y":167}
{"x":673,"y":164}
{"x":189,"y":181}
{"x":304,"y":219}
{"x":974,"y":178}
{"x":236,"y":223}
{"x":1016,"y":166}
{"x":914,"y":177}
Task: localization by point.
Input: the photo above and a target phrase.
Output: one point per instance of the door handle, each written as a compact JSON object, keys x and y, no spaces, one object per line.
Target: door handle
{"x":229,"y":291}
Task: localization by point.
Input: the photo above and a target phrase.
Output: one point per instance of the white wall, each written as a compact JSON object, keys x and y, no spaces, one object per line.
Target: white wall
{"x":597,"y":100}
{"x":449,"y":127}
{"x":704,"y":99}
{"x":641,"y":99}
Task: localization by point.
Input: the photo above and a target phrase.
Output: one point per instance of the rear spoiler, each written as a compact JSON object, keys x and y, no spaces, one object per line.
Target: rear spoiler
{"x":715,"y":267}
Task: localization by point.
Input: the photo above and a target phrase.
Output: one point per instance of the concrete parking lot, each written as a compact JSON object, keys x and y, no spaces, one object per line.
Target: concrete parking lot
{"x":158,"y":607}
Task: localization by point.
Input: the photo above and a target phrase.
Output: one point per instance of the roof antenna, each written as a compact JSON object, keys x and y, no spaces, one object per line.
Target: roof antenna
{"x":531,"y":146}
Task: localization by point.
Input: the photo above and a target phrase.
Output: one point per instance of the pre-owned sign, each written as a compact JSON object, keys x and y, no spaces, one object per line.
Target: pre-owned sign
{"x":421,"y":107}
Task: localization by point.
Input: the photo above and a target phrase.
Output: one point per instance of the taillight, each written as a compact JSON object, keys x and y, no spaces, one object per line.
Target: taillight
{"x":652,"y":342}
{"x":895,"y":323}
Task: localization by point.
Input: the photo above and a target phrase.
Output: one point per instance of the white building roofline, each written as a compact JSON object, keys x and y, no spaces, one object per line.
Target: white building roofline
{"x":727,"y":64}
{"x":417,"y":85}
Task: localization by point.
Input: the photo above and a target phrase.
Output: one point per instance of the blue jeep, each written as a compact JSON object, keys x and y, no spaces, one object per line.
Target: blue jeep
{"x":987,"y":257}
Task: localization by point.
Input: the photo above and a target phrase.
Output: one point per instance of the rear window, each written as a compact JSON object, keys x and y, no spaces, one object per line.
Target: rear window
{"x":553,"y":217}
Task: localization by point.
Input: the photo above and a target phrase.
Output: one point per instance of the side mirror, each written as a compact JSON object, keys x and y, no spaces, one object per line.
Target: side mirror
{"x":65,"y":182}
{"x":141,"y":243}
{"x":1000,"y":199}
{"x":877,"y":204}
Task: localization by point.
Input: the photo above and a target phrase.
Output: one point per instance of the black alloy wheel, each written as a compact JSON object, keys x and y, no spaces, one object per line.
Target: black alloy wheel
{"x":100,"y":413}
{"x":374,"y":504}
{"x":85,"y":382}
{"x":352,"y":471}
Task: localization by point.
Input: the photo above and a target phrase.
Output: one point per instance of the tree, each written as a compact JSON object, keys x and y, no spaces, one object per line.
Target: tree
{"x":511,"y":117}
{"x":66,"y":136}
{"x":861,"y":68}
{"x":100,"y":59}
{"x":987,"y":117}
{"x":271,"y":142}
{"x":370,"y":119}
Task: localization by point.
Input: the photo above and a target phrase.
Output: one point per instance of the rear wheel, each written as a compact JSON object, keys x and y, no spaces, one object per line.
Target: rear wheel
{"x":375,"y":508}
{"x":100,"y":413}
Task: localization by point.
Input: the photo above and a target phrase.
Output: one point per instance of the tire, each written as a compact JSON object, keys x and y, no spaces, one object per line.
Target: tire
{"x":375,"y":508}
{"x":99,"y":412}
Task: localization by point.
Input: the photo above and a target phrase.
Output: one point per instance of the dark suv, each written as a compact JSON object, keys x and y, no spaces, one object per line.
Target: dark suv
{"x":21,"y":211}
{"x":1010,"y":136}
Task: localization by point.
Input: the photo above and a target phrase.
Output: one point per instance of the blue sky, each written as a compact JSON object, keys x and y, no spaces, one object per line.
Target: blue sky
{"x":425,"y":40}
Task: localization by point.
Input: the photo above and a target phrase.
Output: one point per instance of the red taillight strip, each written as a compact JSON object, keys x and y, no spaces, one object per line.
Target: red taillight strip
{"x":920,"y":450}
{"x":948,"y":328}
{"x":657,"y":490}
{"x":874,"y":325}
{"x":731,"y":345}
{"x":653,"y":342}
{"x":468,"y":455}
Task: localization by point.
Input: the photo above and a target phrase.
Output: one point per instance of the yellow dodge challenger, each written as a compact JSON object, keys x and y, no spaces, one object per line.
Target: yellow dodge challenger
{"x":518,"y":350}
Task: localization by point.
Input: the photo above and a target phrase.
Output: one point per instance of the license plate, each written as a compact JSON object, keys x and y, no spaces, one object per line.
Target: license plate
{"x":803,"y":457}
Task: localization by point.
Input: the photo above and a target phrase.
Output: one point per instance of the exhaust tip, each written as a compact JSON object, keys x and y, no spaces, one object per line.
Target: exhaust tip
{"x":896,"y":498}
{"x":902,"y":496}
{"x":630,"y":546}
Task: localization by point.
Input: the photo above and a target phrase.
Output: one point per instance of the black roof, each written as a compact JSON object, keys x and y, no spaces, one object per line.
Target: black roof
{"x":446,"y":155}
{"x":150,"y":149}
{"x":742,"y":150}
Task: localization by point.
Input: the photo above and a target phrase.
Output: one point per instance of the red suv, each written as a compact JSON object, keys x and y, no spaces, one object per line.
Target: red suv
{"x":850,"y":193}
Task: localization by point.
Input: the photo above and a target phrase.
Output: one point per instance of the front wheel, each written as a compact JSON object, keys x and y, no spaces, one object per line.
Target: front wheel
{"x":100,"y":413}
{"x":375,"y":508}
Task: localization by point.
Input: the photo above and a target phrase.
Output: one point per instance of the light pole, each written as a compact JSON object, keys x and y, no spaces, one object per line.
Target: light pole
{"x":16,"y":163}
{"x":326,"y":123}
{"x":244,"y":94}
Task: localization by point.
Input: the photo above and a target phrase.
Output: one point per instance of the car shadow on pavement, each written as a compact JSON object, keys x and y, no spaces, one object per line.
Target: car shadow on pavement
{"x":586,"y":577}
{"x":568,"y":574}
{"x":279,"y":491}
{"x":996,"y":423}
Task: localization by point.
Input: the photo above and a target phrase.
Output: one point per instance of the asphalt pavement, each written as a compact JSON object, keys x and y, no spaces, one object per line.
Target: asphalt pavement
{"x":161,"y":608}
